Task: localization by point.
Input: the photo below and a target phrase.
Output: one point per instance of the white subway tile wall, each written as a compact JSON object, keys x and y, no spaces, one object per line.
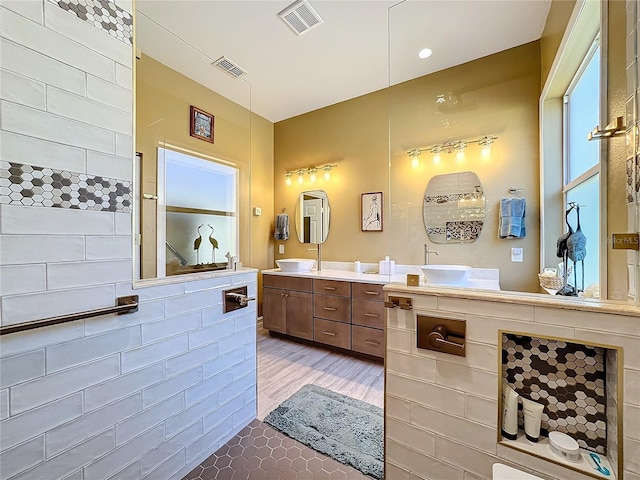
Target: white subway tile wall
{"x":459,"y":405}
{"x":144,"y":395}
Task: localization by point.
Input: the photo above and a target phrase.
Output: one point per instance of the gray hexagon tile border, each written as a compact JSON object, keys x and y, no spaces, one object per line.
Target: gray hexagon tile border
{"x":29,"y":185}
{"x":103,"y":14}
{"x":567,"y":378}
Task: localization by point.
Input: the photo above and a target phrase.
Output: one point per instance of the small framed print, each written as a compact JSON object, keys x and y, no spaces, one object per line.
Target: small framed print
{"x":201,"y":124}
{"x":371,"y":212}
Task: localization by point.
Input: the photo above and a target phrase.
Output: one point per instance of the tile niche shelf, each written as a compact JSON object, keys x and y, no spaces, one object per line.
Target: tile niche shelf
{"x":579,"y":385}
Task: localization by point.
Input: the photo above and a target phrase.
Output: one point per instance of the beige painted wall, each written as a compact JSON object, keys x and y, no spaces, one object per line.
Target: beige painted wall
{"x":163,"y":98}
{"x":498,"y":96}
{"x":354,"y":136}
{"x":557,"y":21}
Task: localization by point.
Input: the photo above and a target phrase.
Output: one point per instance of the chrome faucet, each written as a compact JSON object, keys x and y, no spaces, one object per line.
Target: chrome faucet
{"x":319,"y":250}
{"x":427,"y":252}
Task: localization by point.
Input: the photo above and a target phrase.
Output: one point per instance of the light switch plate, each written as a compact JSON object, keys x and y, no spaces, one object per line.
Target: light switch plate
{"x":281,"y":249}
{"x":517,"y":254}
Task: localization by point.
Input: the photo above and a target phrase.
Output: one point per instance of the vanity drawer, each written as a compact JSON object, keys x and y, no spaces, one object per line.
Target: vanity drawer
{"x":367,"y":291}
{"x":332,"y":308}
{"x":332,"y":287}
{"x":367,"y":313}
{"x":332,"y":333}
{"x":287,"y":283}
{"x":367,"y":340}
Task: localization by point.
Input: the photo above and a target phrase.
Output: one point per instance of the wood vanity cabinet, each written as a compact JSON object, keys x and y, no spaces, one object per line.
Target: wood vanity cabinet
{"x":343,"y":314}
{"x":288,"y":306}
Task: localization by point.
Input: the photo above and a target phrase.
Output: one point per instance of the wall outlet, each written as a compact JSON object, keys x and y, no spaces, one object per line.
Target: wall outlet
{"x":517,"y":254}
{"x":280,"y":248}
{"x":257,"y":211}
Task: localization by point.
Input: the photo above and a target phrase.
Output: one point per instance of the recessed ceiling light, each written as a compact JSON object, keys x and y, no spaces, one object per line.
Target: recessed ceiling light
{"x":425,"y":53}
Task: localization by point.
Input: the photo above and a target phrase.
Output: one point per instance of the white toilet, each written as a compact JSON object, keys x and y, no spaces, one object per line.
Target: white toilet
{"x":504,"y":472}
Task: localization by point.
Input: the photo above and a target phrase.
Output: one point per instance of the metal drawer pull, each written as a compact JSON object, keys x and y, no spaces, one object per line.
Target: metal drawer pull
{"x":372,"y":293}
{"x":372,"y":315}
{"x":330,"y":288}
{"x":332,"y":334}
{"x":331,"y":309}
{"x":372,"y":342}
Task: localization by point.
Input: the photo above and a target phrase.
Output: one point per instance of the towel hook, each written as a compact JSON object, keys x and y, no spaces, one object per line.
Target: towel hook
{"x":284,"y":209}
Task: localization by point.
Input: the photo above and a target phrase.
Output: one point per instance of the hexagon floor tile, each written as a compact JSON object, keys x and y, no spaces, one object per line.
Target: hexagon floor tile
{"x":259,"y":451}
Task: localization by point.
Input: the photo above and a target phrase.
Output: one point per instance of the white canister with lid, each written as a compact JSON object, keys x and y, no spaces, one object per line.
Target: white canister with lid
{"x":564,"y":446}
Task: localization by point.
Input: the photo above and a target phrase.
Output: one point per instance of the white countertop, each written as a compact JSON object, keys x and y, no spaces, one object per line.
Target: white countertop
{"x":327,"y":274}
{"x":398,"y":278}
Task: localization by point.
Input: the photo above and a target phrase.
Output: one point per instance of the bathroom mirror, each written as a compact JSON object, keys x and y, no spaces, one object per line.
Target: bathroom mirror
{"x":454,"y":208}
{"x":312,"y":217}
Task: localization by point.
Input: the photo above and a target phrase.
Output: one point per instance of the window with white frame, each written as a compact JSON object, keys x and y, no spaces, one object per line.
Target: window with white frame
{"x":581,"y":169}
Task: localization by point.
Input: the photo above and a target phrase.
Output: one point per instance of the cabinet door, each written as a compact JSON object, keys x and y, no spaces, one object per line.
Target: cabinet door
{"x":299,"y":315}
{"x":274,"y":314}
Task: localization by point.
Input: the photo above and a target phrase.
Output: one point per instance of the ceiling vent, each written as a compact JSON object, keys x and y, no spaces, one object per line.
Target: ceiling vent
{"x":230,"y":67}
{"x":300,"y":16}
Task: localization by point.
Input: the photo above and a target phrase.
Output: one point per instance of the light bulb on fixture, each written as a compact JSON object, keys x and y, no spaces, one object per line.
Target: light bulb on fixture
{"x":287,"y":178}
{"x":415,"y":160}
{"x":485,"y":143}
{"x":327,"y":172}
{"x":312,"y":174}
{"x":435,"y":151}
{"x":300,"y":176}
{"x":459,"y":147}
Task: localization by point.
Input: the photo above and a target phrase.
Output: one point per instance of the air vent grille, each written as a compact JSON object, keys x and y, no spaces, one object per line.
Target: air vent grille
{"x":301,"y":17}
{"x":230,"y":67}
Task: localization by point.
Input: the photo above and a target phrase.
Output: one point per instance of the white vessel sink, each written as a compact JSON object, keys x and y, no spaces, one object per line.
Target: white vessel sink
{"x":295,"y":264}
{"x":454,"y":275}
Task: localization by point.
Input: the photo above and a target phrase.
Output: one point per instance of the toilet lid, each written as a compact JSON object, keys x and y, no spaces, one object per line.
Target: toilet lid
{"x":504,"y":472}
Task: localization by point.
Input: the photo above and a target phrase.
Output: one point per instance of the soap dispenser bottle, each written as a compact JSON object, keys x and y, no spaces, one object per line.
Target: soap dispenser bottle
{"x":357,"y":266}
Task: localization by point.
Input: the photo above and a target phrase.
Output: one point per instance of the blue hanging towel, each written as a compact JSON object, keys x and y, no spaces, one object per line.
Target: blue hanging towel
{"x":282,"y":227}
{"x":512,"y":218}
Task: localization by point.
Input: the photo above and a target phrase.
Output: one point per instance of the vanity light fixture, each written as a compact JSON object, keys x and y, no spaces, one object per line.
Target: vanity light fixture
{"x":458,"y":146}
{"x":312,"y":171}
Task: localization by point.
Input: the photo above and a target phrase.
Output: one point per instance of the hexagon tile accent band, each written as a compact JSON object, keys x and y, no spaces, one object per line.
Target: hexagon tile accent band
{"x":29,"y":185}
{"x":567,"y":378}
{"x":103,"y":14}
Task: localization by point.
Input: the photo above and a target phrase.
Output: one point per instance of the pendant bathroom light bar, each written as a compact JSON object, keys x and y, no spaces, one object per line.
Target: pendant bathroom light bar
{"x":458,"y":147}
{"x":312,"y":171}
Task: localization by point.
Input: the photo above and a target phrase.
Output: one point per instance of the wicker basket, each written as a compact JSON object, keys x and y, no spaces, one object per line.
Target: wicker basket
{"x":552,"y":283}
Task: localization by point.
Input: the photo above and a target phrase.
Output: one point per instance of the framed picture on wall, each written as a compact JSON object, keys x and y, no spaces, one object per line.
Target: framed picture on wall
{"x":371,"y":212}
{"x":201,"y":124}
